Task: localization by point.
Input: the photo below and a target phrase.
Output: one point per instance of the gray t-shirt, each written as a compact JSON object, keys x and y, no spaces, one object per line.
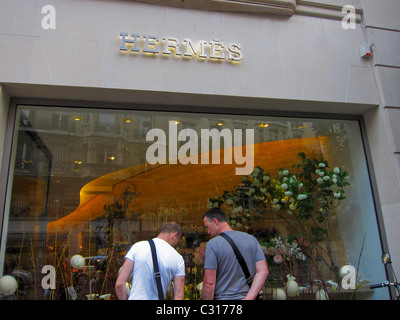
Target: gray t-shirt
{"x":231,"y":283}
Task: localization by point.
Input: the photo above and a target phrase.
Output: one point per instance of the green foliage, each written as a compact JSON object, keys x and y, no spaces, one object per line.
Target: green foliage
{"x":309,"y":191}
{"x":117,"y":210}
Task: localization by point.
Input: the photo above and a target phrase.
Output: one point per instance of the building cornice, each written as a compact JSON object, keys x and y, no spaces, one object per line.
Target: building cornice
{"x":313,"y":8}
{"x":323,"y":10}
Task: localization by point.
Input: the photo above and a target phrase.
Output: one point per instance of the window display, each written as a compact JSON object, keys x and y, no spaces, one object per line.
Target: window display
{"x":89,"y":183}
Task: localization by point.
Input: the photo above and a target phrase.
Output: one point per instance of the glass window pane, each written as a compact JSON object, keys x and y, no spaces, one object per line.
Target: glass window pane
{"x":90,"y":184}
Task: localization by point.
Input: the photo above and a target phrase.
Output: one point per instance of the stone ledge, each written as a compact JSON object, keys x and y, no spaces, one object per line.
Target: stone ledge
{"x":277,"y":7}
{"x":322,"y":10}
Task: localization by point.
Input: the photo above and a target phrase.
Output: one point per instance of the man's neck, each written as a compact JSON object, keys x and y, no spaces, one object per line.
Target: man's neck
{"x":225,"y":227}
{"x":163,"y":237}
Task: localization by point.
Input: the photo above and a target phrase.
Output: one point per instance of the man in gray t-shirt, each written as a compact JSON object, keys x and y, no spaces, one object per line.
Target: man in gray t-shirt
{"x":223,"y":276}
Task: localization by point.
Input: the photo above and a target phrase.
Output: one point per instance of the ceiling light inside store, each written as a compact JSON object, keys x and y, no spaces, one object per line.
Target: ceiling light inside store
{"x":127,"y":120}
{"x":111,"y":158}
{"x":175,"y":121}
{"x":77,"y":118}
{"x":263,"y":125}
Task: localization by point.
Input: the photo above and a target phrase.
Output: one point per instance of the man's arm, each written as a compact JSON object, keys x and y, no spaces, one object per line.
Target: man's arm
{"x":259,"y":280}
{"x":179,"y":288}
{"x":210,"y":277}
{"x":120,"y":285}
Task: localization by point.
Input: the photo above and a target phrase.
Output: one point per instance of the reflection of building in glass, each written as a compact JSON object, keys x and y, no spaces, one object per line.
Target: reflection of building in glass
{"x":85,"y":146}
{"x":88,"y":145}
{"x":73,"y":169}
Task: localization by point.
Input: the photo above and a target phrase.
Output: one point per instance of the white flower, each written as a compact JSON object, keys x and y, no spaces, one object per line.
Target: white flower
{"x":238,"y":225}
{"x":321,"y":173}
{"x":285,"y":172}
{"x":263,"y":190}
{"x":256,"y":183}
{"x":265,"y":178}
{"x":299,"y":255}
{"x":333,"y":284}
{"x":276,"y":206}
{"x":216,"y":205}
{"x":334,"y":180}
{"x":326,"y":178}
{"x":337,"y":195}
{"x":290,"y":277}
{"x":284,"y":186}
{"x":288,"y":193}
{"x":275,"y":201}
{"x":284,"y":200}
{"x":336,"y":170}
{"x":322,"y":165}
{"x":301,"y":197}
{"x":320,"y":181}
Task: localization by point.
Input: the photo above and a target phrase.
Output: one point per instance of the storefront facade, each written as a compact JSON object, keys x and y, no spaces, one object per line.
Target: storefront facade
{"x":118,"y":116}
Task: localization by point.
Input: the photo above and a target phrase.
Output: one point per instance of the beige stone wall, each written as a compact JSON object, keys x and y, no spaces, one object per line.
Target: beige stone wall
{"x":298,"y":57}
{"x":382,"y":28}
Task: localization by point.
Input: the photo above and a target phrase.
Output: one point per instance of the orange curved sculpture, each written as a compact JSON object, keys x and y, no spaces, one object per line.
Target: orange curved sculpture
{"x":189,"y":186}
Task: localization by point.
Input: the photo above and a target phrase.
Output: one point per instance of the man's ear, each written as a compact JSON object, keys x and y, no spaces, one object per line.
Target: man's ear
{"x":215,"y":221}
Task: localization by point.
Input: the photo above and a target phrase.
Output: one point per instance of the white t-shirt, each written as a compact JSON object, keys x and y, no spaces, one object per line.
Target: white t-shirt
{"x":170,"y":262}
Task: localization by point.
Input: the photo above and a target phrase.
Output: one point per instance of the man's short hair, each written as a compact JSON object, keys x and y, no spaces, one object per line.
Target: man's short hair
{"x":171,"y":227}
{"x":216,"y":213}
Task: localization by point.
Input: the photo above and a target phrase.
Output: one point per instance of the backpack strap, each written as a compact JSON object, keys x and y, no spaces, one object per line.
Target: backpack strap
{"x":157,"y":273}
{"x":239,"y":256}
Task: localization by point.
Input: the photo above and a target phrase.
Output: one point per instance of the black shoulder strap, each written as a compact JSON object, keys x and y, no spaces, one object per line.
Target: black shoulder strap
{"x":157,"y":273}
{"x":239,"y":256}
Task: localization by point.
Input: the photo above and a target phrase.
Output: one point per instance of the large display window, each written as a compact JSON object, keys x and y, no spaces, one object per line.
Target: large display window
{"x":88,"y":183}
